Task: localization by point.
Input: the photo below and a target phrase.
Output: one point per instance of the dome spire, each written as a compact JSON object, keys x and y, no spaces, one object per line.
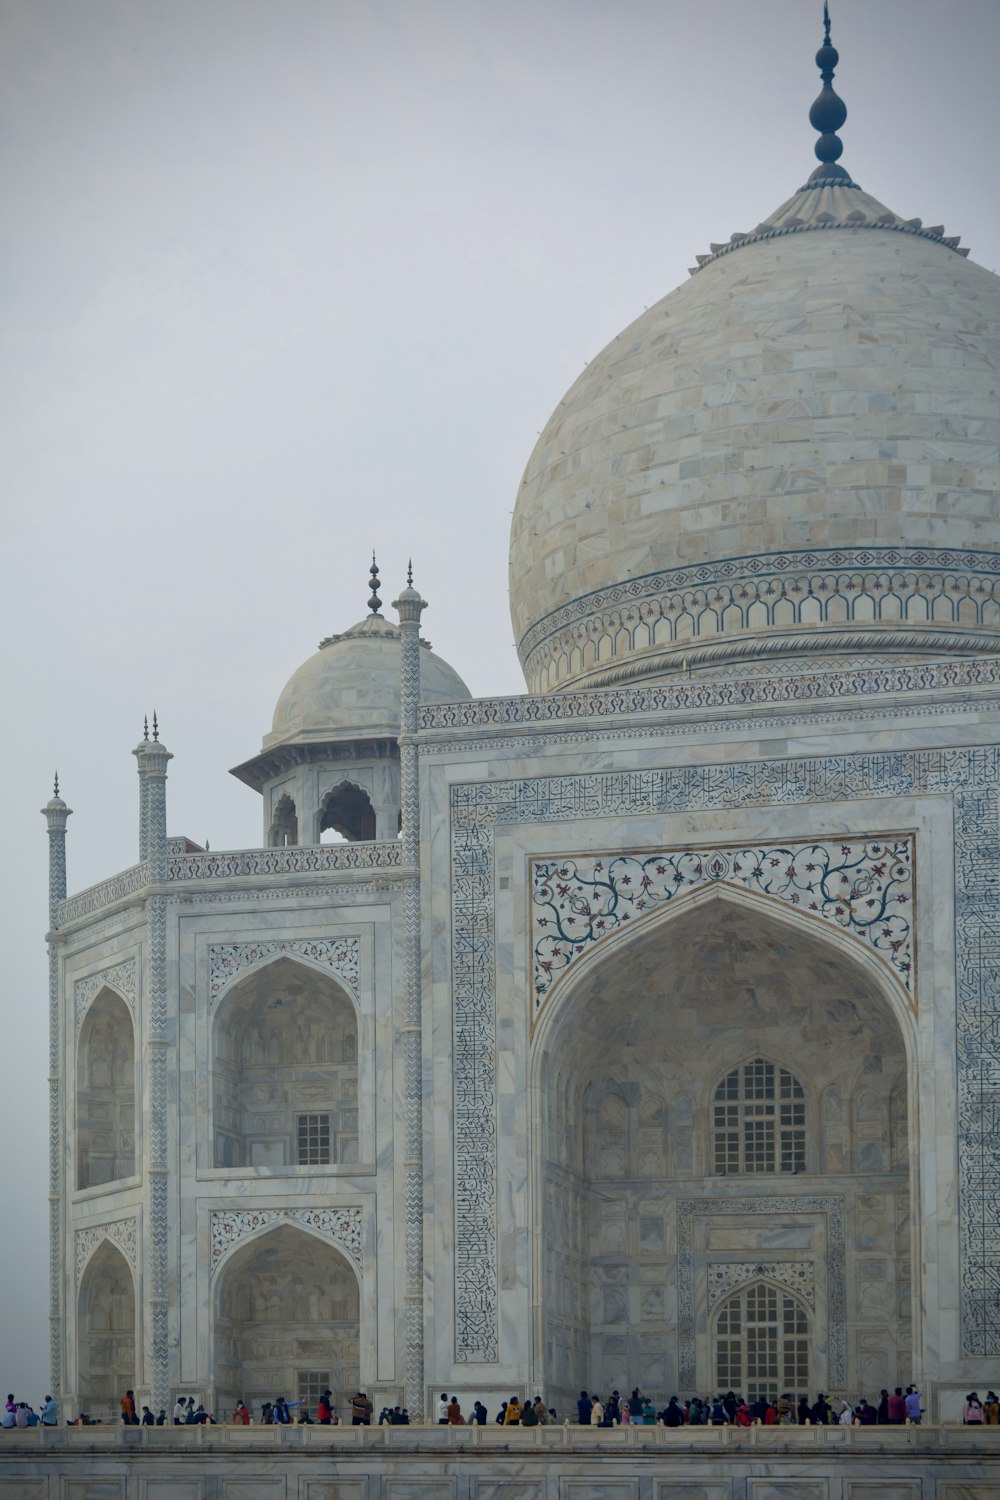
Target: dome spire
{"x":374,"y":603}
{"x":828,"y":112}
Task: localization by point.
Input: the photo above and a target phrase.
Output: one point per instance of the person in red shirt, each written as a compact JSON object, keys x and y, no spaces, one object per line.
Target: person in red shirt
{"x":897,"y":1406}
{"x":128,"y":1410}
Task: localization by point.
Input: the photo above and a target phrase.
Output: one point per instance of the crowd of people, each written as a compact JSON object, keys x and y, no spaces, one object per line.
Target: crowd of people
{"x":892,"y":1409}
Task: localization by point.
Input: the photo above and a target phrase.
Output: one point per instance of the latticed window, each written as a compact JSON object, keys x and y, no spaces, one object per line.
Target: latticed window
{"x":759,"y":1119}
{"x":762,"y":1344}
{"x":311,"y":1384}
{"x":313,"y":1140}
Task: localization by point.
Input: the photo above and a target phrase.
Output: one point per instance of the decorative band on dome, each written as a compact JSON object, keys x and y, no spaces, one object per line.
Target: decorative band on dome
{"x":888,"y":599}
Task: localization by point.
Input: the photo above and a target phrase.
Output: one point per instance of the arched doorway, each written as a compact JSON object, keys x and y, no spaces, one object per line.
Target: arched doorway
{"x":285,"y":1071}
{"x":718,"y":1100}
{"x":106,"y":1358}
{"x":105,"y":1093}
{"x":287,"y":1322}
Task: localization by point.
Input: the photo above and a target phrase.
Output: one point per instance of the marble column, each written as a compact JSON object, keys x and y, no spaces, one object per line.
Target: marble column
{"x":410,"y":606}
{"x":153,"y":761}
{"x":55,"y":813}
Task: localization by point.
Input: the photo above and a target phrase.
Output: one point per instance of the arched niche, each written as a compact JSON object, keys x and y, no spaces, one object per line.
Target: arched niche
{"x":762,"y":1344}
{"x":628,"y":1059}
{"x":347,"y":810}
{"x":284,"y":830}
{"x":287,"y":1319}
{"x":106,"y":1323}
{"x":105,"y":1093}
{"x":285,"y":1071}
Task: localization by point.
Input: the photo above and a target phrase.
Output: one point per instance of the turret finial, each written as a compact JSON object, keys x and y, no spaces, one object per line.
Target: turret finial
{"x":409,"y":574}
{"x":156,"y":727}
{"x":145,"y":726}
{"x":55,"y":786}
{"x":828,"y":112}
{"x":374,"y":603}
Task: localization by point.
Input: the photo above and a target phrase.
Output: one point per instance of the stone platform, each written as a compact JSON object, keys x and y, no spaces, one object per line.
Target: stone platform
{"x":493,"y":1463}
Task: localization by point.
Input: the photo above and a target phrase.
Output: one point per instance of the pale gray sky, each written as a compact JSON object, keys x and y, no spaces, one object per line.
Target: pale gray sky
{"x":287,"y":279}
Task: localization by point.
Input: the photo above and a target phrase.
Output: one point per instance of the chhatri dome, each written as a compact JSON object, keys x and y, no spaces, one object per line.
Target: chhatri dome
{"x":794,"y":452}
{"x":330,"y":764}
{"x":349,"y":688}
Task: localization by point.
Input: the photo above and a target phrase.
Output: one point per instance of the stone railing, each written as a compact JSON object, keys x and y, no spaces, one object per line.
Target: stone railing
{"x":234,"y":864}
{"x":312,"y":859}
{"x":720,"y":694}
{"x":130,"y":882}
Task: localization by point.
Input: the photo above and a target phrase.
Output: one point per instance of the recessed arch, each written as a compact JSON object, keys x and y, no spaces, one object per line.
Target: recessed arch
{"x":346,"y":809}
{"x":106,"y":1332}
{"x":286,"y":1304}
{"x":105,"y":1092}
{"x":761,"y":1336}
{"x":284,"y":830}
{"x":652,"y":1020}
{"x":285,"y":1069}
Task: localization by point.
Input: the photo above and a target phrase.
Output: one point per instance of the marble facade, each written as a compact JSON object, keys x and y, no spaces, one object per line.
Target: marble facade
{"x":646,"y":1029}
{"x":575,"y":1218}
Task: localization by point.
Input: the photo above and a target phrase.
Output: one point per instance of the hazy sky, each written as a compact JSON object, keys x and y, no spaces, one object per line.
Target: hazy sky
{"x":284,"y":280}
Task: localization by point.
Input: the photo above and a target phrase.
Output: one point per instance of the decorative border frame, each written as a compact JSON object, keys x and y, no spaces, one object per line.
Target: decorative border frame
{"x":119,"y":977}
{"x":864,"y":886}
{"x":228,"y":961}
{"x":689,"y":1209}
{"x":969,"y":777}
{"x":341,"y":1226}
{"x":122,"y":1233}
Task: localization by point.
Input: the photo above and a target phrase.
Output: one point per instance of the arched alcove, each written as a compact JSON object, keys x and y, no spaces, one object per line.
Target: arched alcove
{"x":347,"y":810}
{"x":284,"y":830}
{"x":643,"y":1193}
{"x":285,"y":1071}
{"x":761,"y":1343}
{"x":106,"y":1357}
{"x":287,"y":1319}
{"x":105,"y":1093}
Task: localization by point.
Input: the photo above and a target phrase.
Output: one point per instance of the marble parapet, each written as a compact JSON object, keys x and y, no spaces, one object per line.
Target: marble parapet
{"x":252,"y":866}
{"x":842,"y":687}
{"x":493,"y":1463}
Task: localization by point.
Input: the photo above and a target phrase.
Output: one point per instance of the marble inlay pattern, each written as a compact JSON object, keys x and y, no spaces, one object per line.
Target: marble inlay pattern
{"x":796,"y":1275}
{"x":864,"y":886}
{"x":123,"y":1233}
{"x":688,"y":1210}
{"x":847,"y":588}
{"x":341,"y":1225}
{"x":130,"y":882}
{"x":339,"y":955}
{"x":969,"y":776}
{"x":707,"y":695}
{"x":309,"y":859}
{"x":120,"y":978}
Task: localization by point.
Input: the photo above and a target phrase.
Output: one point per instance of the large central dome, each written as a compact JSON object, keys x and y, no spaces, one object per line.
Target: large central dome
{"x":795,"y":451}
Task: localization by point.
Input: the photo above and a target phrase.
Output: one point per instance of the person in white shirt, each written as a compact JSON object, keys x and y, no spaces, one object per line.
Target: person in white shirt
{"x":443,"y":1411}
{"x":180,"y":1411}
{"x":596,"y":1412}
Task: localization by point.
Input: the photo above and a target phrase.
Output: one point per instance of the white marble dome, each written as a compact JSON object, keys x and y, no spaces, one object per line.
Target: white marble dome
{"x":349,"y":688}
{"x":795,"y":451}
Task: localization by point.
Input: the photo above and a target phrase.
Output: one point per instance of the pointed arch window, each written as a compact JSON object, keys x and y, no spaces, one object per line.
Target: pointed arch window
{"x":762,"y":1343}
{"x":759,"y":1120}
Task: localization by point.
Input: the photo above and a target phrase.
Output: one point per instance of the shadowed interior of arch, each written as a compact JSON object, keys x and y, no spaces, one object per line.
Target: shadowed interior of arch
{"x":285,"y":1071}
{"x":347,"y":811}
{"x":723,"y":1044}
{"x":106,"y":1356}
{"x":105,"y":1093}
{"x":287,"y":1321}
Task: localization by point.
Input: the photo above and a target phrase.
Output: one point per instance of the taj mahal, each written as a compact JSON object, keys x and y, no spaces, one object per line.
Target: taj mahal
{"x":642,"y":1029}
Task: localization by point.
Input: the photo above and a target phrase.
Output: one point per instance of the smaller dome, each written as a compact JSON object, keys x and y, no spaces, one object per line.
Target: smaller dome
{"x":349,"y":689}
